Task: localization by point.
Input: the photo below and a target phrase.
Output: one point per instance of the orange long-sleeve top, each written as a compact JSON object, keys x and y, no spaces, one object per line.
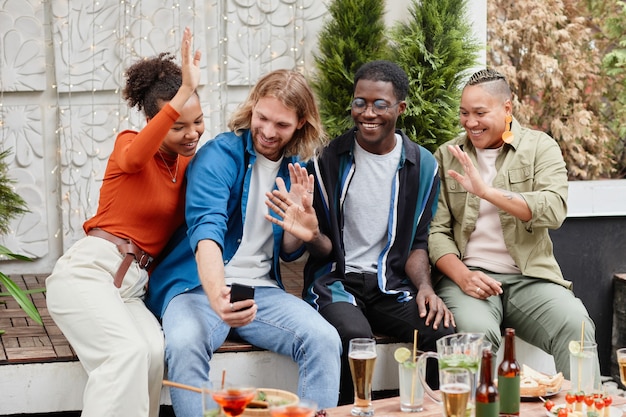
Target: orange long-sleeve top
{"x":138,"y":200}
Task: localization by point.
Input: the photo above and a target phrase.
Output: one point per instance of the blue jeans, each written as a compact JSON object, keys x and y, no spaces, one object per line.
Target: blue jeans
{"x":284,"y":324}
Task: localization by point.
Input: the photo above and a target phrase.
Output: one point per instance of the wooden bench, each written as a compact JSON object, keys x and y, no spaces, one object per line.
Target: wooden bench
{"x":40,"y":373}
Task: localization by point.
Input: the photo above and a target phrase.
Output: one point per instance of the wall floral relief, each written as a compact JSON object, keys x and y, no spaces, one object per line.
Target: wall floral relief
{"x":22,"y":48}
{"x":23,"y":74}
{"x":264,"y":35}
{"x":62,"y":68}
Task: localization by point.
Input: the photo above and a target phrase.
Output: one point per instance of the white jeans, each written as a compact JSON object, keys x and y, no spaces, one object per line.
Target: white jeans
{"x":117,"y":339}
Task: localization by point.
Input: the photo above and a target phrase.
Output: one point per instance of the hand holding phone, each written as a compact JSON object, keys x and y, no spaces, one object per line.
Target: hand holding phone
{"x":240,"y":292}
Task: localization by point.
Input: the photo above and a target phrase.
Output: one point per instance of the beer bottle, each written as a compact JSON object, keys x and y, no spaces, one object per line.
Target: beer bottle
{"x":487,"y":398}
{"x":509,"y":377}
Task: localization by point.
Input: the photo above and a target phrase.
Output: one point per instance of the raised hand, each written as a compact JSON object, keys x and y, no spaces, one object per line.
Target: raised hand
{"x":302,"y":185}
{"x":471,"y":181}
{"x":190,"y":68}
{"x":190,"y":61}
{"x":294,"y":207}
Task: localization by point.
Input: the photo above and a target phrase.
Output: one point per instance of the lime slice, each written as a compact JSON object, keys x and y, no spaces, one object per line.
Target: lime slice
{"x":574,"y":347}
{"x":402,"y":355}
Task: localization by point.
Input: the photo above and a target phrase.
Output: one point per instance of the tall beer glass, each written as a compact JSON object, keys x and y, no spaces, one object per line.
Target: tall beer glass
{"x":362,"y":357}
{"x":455,"y":391}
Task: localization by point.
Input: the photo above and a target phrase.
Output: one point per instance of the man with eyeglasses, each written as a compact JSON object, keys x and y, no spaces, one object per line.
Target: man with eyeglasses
{"x":367,"y":226}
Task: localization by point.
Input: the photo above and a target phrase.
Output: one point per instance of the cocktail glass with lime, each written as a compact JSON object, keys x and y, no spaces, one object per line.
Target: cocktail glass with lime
{"x":583,"y":362}
{"x":411,"y":389}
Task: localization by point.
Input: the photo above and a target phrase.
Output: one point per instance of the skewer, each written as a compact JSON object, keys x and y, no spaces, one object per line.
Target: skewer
{"x":182,"y":386}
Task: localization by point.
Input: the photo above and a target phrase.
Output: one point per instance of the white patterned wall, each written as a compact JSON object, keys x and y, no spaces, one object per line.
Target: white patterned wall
{"x":61,"y":73}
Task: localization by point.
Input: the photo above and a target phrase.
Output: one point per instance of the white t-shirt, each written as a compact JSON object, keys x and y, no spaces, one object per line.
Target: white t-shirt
{"x":368,"y":202}
{"x":252,"y":262}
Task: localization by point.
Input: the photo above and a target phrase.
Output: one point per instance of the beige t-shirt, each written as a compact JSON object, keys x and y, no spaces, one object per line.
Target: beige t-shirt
{"x":486,"y":248}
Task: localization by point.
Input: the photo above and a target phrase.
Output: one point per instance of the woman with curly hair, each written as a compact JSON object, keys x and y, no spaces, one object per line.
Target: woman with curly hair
{"x":95,"y":293}
{"x":228,"y":240}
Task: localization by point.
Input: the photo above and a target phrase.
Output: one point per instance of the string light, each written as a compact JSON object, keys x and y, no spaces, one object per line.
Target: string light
{"x":240,"y":40}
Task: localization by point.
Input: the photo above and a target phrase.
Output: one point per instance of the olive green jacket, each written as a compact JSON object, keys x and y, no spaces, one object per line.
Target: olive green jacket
{"x":533,"y":167}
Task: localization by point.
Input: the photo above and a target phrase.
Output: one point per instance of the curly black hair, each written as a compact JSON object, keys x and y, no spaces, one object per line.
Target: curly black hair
{"x":151,"y":81}
{"x":385,"y":71}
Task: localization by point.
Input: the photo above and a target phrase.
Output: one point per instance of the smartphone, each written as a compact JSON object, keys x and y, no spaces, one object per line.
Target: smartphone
{"x":240,"y":292}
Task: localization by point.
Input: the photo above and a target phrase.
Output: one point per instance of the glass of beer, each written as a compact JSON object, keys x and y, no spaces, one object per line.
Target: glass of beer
{"x":362,"y":357}
{"x":455,"y":391}
{"x":621,"y":360}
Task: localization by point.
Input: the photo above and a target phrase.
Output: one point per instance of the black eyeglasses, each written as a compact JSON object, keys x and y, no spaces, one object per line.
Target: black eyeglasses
{"x":379,"y":107}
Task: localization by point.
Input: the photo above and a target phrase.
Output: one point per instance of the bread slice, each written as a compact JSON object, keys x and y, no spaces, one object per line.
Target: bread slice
{"x":534,"y":383}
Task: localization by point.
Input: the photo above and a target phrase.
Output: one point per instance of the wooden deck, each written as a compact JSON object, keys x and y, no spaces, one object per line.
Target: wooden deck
{"x":25,"y":341}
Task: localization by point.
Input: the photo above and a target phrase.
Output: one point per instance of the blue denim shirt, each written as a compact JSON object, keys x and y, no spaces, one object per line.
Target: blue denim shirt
{"x":218,"y":181}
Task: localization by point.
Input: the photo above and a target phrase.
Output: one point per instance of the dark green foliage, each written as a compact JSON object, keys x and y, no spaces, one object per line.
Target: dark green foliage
{"x":11,"y":204}
{"x":353,"y":34}
{"x":436,"y":48}
{"x":20,"y":295}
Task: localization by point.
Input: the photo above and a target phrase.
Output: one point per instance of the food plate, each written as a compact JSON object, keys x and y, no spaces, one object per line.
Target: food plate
{"x":259,"y":407}
{"x":614,"y":411}
{"x":539,"y":397}
{"x":535,"y":384}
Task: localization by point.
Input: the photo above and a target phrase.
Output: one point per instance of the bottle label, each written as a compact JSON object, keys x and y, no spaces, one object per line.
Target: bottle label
{"x":488,"y":409}
{"x":508,"y":387}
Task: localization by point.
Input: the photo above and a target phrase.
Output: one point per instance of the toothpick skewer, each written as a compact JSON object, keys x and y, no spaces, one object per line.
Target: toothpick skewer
{"x":182,"y":386}
{"x":582,"y":349}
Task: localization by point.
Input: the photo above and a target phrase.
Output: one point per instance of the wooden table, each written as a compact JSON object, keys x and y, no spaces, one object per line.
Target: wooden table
{"x":391,"y":407}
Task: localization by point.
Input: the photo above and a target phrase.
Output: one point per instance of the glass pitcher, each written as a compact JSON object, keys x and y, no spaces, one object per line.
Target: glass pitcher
{"x":459,"y":350}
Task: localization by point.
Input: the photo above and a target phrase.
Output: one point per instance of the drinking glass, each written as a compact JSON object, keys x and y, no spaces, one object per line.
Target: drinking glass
{"x":209,"y":407}
{"x":621,"y":360}
{"x":303,"y":408}
{"x":411,"y":389}
{"x":459,"y":350}
{"x":582,"y":367}
{"x":455,"y":391}
{"x":362,"y":357}
{"x":233,"y":399}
